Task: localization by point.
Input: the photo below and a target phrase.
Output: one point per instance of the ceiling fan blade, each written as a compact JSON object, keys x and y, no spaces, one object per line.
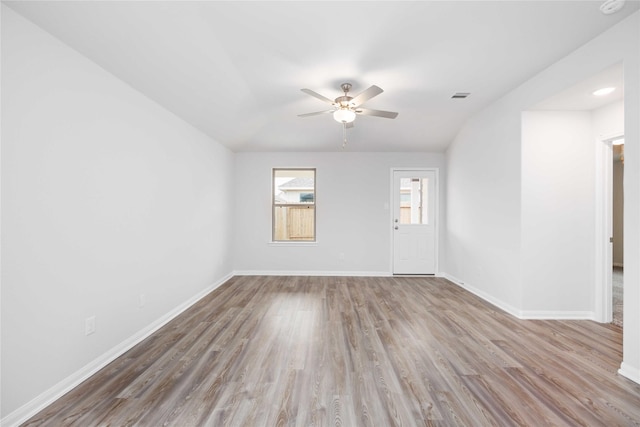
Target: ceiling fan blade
{"x":366,"y":95}
{"x":378,"y":113}
{"x":317,"y":95}
{"x":317,"y":113}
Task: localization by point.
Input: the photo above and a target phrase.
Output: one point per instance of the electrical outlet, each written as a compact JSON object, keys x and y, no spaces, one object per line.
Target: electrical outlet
{"x":142,"y":300}
{"x":90,"y":325}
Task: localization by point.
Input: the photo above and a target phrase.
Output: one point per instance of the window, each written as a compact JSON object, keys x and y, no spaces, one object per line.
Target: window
{"x":294,"y":205}
{"x":413,"y":201}
{"x":306,"y":197}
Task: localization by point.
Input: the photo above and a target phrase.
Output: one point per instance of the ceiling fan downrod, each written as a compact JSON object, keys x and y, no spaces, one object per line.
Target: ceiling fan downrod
{"x":343,"y":102}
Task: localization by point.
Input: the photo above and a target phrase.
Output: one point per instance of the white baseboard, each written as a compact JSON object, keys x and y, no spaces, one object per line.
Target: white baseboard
{"x":523,"y":314}
{"x":324,"y":273}
{"x":312,"y":273}
{"x":31,"y":408}
{"x":629,"y":372}
{"x":558,"y":315}
{"x":485,"y":296}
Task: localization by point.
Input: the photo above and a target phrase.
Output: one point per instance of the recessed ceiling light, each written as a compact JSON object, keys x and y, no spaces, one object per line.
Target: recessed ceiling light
{"x":604,"y":91}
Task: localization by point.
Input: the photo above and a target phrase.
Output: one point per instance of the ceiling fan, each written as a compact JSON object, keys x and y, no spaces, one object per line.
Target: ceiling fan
{"x":345,"y":107}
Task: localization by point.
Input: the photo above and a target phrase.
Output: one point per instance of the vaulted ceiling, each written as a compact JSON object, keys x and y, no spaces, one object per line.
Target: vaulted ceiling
{"x":235,"y":69}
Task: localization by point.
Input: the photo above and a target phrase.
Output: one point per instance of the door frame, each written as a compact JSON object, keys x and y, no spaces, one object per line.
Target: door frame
{"x":604,"y":229}
{"x":436,"y":214}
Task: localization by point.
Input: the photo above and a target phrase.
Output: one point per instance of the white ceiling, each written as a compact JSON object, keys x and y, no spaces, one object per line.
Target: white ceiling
{"x":581,"y":97}
{"x":235,"y":69}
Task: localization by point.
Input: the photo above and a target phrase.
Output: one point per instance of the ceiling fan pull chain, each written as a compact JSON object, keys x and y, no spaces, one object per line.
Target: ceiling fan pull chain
{"x":344,"y":135}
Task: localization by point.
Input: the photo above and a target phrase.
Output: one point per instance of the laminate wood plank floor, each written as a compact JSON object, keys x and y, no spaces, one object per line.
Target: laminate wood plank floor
{"x":353,"y":351}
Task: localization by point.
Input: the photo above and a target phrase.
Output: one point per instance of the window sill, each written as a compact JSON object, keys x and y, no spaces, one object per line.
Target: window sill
{"x":285,"y":244}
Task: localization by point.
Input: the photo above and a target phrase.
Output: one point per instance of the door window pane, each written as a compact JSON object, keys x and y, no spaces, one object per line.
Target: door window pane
{"x":413,"y":201}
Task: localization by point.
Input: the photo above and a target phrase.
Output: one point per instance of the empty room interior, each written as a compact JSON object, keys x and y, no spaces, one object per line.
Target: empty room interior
{"x":320,"y":213}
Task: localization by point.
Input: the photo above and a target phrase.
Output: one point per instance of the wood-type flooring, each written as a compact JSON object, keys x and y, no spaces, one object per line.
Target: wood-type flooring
{"x":618,"y":296}
{"x":354,"y":351}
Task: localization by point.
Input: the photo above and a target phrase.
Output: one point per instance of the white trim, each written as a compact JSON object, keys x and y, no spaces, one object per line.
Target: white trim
{"x":330,"y":273}
{"x":603,"y":279}
{"x":295,"y":244}
{"x":523,"y":315}
{"x":422,"y":276}
{"x":558,"y":315}
{"x":312,"y":273}
{"x":629,"y":372}
{"x":485,"y":296}
{"x":40,"y":402}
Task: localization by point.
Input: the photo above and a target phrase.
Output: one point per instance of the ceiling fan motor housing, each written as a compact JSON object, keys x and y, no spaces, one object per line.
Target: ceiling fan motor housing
{"x":343,"y":101}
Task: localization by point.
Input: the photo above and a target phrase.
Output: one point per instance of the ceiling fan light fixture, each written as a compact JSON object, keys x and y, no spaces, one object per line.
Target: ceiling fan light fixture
{"x":344,"y":115}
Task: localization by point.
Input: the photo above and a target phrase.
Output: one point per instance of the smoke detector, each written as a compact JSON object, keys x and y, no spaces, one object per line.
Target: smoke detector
{"x":611,"y":6}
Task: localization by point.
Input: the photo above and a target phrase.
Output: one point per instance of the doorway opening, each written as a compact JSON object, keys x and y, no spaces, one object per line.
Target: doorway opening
{"x":609,"y":230}
{"x":617,"y":217}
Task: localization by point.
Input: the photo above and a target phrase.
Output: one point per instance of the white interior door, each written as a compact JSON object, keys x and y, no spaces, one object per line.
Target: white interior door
{"x":414,"y":228}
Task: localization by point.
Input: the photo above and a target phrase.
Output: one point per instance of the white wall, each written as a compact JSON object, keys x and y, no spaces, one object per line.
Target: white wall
{"x":608,"y":121}
{"x":559,"y":205}
{"x":353,"y":216}
{"x":558,"y":214}
{"x":484,"y":208}
{"x":105,"y":196}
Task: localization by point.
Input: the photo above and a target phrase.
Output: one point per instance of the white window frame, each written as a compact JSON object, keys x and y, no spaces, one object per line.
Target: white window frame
{"x":275,"y":242}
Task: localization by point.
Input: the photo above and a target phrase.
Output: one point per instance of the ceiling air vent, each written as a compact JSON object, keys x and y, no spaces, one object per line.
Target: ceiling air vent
{"x":460,"y":95}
